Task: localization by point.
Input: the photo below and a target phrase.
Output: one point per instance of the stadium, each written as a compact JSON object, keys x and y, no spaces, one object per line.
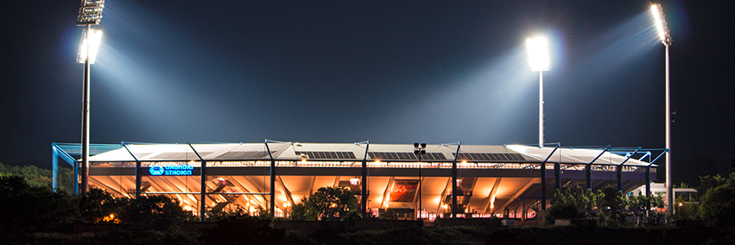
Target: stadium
{"x":412,"y":180}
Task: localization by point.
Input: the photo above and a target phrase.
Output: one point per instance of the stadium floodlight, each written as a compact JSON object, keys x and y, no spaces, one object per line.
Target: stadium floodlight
{"x":90,"y":13}
{"x":539,"y":59}
{"x":663,"y":34}
{"x":538,"y":53}
{"x":663,"y":30}
{"x":92,"y":39}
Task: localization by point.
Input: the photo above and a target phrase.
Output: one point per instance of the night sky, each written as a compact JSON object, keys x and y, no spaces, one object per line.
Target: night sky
{"x":385,"y":71}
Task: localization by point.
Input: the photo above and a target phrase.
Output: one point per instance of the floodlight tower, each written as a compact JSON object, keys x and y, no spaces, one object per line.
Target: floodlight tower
{"x":90,"y":13}
{"x":538,"y":57}
{"x":665,"y":37}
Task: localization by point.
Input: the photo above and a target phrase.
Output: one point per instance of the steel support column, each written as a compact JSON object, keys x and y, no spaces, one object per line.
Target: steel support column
{"x":648,"y":181}
{"x":557,"y":175}
{"x":455,"y":189}
{"x":203,"y":191}
{"x":619,"y":171}
{"x":363,"y":204}
{"x":619,"y":168}
{"x":55,"y":168}
{"x":272,"y":181}
{"x":588,"y":175}
{"x":588,"y":168}
{"x":543,"y":177}
{"x":137,"y":171}
{"x":543,"y":186}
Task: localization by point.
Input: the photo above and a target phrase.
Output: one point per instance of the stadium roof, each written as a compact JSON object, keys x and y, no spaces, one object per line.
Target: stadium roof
{"x":295,"y":151}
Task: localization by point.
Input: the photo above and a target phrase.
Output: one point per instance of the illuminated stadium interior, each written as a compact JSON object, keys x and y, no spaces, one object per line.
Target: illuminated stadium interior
{"x":493,"y":180}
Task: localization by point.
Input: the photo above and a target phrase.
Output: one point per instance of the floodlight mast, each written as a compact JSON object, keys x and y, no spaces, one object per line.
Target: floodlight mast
{"x":665,"y":37}
{"x":90,"y":13}
{"x":538,"y":57}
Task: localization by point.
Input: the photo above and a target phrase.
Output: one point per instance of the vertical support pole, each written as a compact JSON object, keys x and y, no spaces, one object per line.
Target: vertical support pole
{"x":454,"y":181}
{"x":203,"y":190}
{"x":589,"y":167}
{"x":421,"y":186}
{"x":543,"y":177}
{"x":648,"y":181}
{"x":543,"y":186}
{"x":619,"y":170}
{"x":55,"y":167}
{"x":203,"y":187}
{"x":588,"y":173}
{"x":648,"y":188}
{"x":364,"y":181}
{"x":541,"y":109}
{"x":85,"y":119}
{"x":669,"y":184}
{"x":523,"y":210}
{"x":138,"y":178}
{"x":273,"y":188}
{"x":137,"y":170}
{"x":76,"y":177}
{"x":557,"y":175}
{"x":272,"y":205}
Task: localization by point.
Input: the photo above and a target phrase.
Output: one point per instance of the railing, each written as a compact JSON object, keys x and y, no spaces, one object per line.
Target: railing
{"x":373,"y":164}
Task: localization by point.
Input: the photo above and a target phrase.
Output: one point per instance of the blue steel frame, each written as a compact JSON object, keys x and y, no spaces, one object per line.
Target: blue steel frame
{"x":67,"y":151}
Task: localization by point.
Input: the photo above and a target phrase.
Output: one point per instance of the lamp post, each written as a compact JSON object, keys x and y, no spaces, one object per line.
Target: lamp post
{"x":665,"y":37}
{"x":419,"y":149}
{"x":538,"y":57}
{"x":90,"y":13}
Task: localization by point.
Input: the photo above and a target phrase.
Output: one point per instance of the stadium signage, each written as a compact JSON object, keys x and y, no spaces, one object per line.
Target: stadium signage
{"x":171,"y":170}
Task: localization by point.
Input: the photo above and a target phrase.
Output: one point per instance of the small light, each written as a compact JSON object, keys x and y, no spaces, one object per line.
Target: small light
{"x":354,"y":181}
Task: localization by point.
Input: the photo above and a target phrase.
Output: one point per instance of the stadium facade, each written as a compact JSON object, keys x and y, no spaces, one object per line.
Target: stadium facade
{"x":509,"y":181}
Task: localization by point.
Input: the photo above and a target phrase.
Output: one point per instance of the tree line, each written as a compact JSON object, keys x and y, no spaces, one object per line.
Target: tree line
{"x":714,"y":201}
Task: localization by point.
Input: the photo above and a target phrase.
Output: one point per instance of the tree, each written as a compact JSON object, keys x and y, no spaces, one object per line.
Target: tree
{"x":326,"y":203}
{"x":99,"y":206}
{"x":611,"y":205}
{"x":304,"y":212}
{"x":718,"y":204}
{"x":33,"y":206}
{"x":37,"y":177}
{"x":159,"y":210}
{"x":572,"y":203}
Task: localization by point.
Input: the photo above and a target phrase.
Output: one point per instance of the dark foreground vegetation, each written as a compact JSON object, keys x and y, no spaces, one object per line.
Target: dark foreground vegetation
{"x":31,"y":213}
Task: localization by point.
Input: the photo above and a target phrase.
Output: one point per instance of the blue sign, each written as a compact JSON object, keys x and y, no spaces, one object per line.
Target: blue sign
{"x":171,"y":170}
{"x":156,"y":170}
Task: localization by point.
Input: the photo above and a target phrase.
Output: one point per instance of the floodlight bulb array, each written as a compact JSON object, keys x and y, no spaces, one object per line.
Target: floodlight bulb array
{"x":538,"y":53}
{"x":90,"y":12}
{"x":661,"y":27}
{"x":93,"y":40}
